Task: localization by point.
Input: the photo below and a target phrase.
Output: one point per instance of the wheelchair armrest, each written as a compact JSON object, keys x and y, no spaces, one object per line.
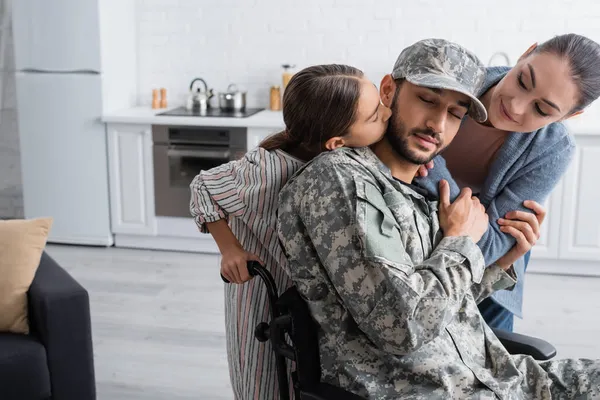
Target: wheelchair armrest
{"x":520,"y":344}
{"x":324,"y":391}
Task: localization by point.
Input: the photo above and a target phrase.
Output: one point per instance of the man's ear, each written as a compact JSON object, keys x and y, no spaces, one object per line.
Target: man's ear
{"x":387,"y":90}
{"x":335,"y":143}
{"x":576,"y":113}
{"x":528,"y":51}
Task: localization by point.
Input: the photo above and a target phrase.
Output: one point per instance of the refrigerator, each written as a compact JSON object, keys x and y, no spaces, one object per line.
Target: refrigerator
{"x":59,"y":104}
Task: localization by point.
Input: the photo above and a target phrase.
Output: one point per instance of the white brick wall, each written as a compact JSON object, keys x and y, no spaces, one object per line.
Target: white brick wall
{"x":246,"y":41}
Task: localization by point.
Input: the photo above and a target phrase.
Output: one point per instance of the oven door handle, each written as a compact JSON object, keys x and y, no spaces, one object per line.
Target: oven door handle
{"x":198,"y":153}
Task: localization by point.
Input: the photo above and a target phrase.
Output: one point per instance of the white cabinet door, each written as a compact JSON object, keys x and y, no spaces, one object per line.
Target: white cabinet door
{"x":256,"y":135}
{"x":131,"y":179}
{"x":548,"y":245}
{"x":580,"y":227}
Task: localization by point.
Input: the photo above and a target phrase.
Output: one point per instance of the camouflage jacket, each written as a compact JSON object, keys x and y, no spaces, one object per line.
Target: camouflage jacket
{"x":395,"y":301}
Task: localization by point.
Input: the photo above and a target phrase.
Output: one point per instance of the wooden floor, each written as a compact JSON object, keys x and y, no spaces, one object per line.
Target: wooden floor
{"x":158,"y":320}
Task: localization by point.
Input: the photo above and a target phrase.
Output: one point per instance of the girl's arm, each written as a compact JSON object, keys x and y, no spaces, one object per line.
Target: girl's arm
{"x":224,"y":192}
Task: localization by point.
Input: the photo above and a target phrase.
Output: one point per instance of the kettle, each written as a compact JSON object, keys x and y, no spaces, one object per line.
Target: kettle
{"x":198,"y":98}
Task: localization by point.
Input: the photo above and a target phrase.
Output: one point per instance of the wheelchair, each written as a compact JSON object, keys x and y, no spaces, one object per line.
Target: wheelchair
{"x":290,"y":316}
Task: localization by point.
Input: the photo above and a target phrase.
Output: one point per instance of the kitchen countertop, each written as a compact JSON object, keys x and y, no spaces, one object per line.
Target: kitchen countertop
{"x":586,"y":124}
{"x":146,"y":115}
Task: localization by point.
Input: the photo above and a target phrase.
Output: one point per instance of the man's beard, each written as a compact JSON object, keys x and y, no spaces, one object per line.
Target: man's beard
{"x":397,"y":136}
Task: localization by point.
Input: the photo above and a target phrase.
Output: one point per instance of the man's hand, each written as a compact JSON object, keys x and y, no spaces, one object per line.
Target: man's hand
{"x":465,"y":217}
{"x":525,"y":228}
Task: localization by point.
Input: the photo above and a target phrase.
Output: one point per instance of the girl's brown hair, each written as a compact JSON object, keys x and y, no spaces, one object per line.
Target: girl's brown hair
{"x":320,"y":102}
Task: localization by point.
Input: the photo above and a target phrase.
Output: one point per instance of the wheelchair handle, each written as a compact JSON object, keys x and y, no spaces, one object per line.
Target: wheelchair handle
{"x":252,"y":270}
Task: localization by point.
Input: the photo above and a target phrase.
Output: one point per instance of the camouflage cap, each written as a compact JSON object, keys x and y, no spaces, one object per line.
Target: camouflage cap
{"x":438,"y":63}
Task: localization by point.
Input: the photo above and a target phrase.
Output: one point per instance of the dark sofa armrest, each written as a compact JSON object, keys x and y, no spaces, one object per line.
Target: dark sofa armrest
{"x":59,"y":316}
{"x":520,"y":344}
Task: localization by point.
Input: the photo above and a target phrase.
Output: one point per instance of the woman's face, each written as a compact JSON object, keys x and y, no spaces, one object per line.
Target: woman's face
{"x":371,"y":118}
{"x":537,"y":91}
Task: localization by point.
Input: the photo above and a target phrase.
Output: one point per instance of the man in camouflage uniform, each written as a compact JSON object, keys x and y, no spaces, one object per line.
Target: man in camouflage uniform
{"x":395,"y":295}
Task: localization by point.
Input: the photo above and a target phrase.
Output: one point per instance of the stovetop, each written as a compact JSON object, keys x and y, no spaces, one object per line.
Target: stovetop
{"x":210,"y":112}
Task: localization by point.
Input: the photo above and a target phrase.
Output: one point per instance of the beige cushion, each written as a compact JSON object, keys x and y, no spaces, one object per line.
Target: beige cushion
{"x":21,"y":245}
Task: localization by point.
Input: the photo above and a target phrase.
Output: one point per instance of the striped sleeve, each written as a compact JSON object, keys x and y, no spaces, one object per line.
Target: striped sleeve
{"x":230,"y":189}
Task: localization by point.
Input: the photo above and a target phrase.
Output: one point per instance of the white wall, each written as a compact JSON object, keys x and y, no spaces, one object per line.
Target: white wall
{"x":246,"y":41}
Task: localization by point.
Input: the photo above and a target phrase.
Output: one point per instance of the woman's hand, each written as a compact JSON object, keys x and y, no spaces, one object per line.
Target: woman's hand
{"x":525,"y":228}
{"x":422,"y":171}
{"x":234,"y":264}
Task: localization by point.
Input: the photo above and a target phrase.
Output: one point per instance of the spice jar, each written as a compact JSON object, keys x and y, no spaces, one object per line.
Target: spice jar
{"x":155,"y":99}
{"x":163,"y":98}
{"x":287,"y":74}
{"x":275,"y":103}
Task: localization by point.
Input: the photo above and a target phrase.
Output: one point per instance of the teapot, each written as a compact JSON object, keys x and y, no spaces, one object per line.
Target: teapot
{"x":198,"y":98}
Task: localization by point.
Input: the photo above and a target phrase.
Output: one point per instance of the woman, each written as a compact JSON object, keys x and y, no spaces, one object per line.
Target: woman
{"x":324,"y":107}
{"x":523,"y":149}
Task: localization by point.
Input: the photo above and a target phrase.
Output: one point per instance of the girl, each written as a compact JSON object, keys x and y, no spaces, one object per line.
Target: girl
{"x":523,"y":149}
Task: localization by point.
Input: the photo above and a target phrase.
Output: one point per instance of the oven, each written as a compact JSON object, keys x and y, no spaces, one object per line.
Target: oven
{"x":180,"y":153}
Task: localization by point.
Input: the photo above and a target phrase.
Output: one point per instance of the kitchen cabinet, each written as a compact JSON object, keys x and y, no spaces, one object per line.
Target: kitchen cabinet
{"x":570,"y":239}
{"x":131,"y":179}
{"x":131,"y":171}
{"x":580,"y":219}
{"x":548,"y":245}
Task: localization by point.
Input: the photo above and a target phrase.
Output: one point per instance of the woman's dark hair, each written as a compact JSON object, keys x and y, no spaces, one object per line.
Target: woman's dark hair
{"x":583,"y":55}
{"x":319,"y":102}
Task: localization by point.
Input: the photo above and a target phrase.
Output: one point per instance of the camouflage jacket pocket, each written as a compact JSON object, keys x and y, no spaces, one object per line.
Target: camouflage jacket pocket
{"x":378,"y":229}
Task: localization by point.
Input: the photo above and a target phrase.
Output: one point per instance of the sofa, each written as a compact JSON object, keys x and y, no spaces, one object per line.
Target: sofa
{"x":55,"y":360}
